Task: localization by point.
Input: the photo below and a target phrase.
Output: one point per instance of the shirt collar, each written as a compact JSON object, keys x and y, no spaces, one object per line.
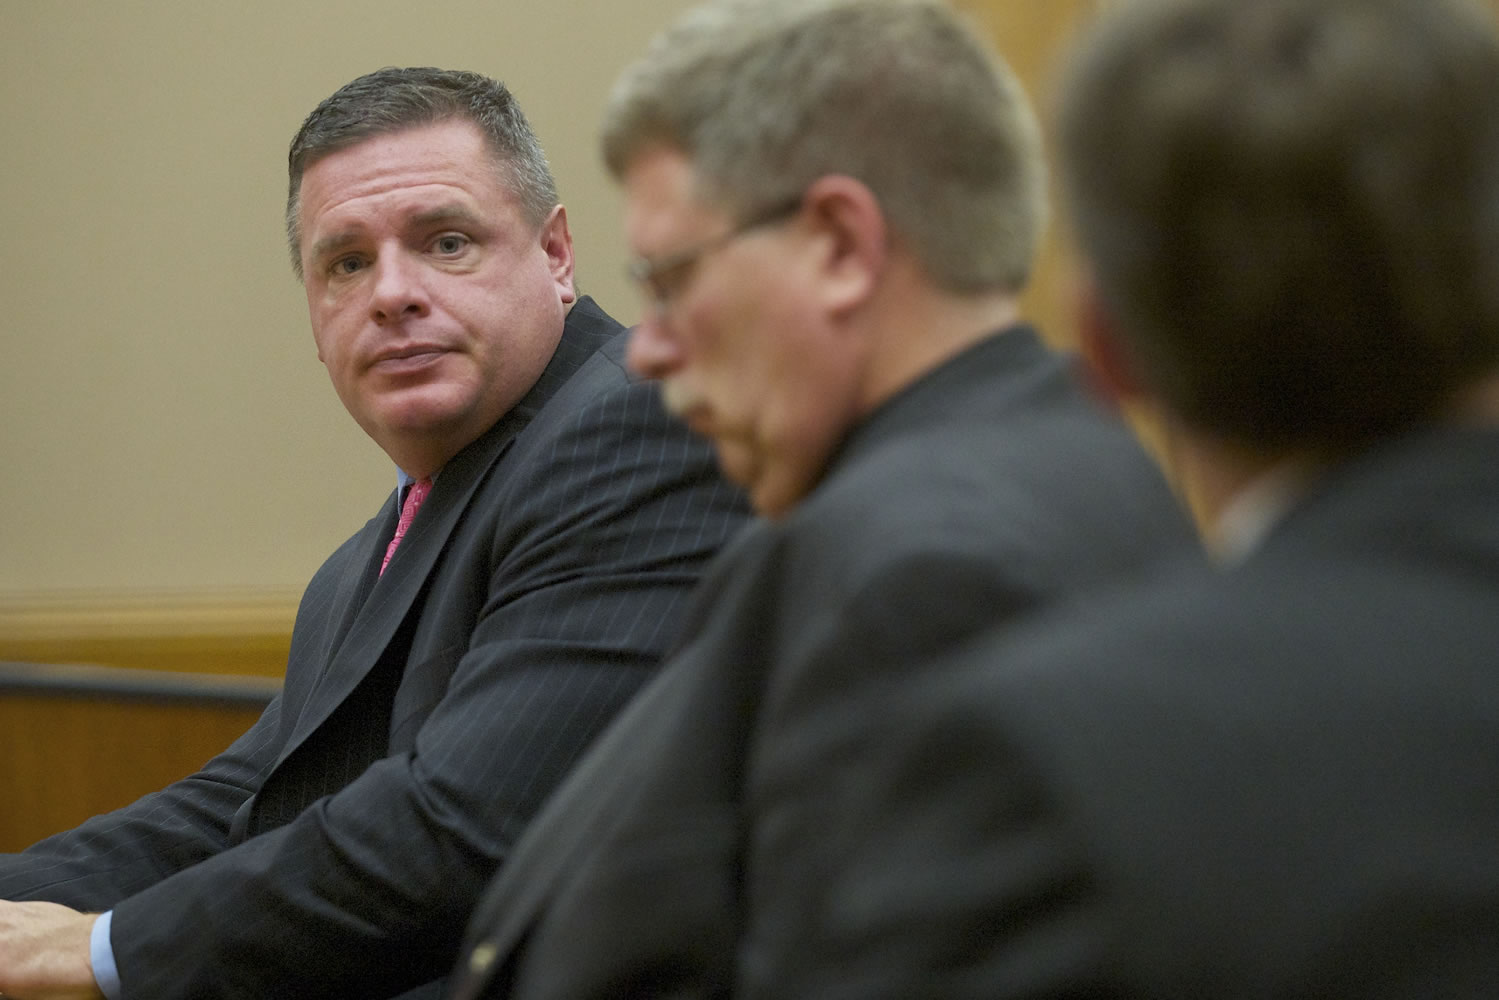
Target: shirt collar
{"x":1255,"y":510}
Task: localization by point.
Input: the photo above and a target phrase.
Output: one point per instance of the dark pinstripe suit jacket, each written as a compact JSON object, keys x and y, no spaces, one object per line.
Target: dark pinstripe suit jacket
{"x":987,"y":489}
{"x":338,"y":846}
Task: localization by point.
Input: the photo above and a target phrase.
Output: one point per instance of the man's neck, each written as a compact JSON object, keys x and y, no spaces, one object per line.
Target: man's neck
{"x":1219,"y":479}
{"x":915,"y":327}
{"x":1212,"y":474}
{"x":1476,"y":405}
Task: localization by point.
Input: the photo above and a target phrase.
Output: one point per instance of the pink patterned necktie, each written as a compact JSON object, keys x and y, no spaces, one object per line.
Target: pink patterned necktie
{"x":414,"y":498}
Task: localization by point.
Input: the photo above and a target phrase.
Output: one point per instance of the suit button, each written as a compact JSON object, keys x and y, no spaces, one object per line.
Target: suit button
{"x":482,"y":958}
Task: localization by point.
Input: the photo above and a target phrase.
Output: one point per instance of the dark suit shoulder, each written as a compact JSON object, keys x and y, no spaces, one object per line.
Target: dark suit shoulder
{"x":1317,"y":716}
{"x":1050,"y":497}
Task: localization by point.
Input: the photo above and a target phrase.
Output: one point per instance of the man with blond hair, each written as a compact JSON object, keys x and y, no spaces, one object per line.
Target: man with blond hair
{"x":835,"y":207}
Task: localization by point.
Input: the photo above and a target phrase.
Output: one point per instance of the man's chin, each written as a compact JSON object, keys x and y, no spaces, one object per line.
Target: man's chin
{"x":770,"y":491}
{"x":736,"y":462}
{"x":772,"y":497}
{"x":774,"y":487}
{"x":423,"y":427}
{"x":423,"y":409}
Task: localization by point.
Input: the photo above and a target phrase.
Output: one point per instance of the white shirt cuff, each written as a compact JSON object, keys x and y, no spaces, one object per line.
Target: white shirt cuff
{"x":102,"y":955}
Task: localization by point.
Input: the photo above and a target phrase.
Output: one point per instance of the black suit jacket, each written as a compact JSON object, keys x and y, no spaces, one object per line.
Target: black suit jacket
{"x":986,"y":489}
{"x":1278,"y":780}
{"x":338,"y":846}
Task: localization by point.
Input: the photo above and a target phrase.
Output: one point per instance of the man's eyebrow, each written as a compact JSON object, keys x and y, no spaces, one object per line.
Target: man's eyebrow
{"x":438,"y":215}
{"x":443,"y":214}
{"x":331,"y":244}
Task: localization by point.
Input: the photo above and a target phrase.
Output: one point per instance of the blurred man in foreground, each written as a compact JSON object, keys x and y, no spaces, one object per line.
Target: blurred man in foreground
{"x":835,"y":206}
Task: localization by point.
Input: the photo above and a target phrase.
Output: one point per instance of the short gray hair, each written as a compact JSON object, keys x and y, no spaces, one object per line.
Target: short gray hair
{"x":1291,"y":207}
{"x":394,"y":99}
{"x":765,"y":96}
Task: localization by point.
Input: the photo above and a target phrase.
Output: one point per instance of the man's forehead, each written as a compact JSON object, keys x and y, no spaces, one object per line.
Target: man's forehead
{"x":409,"y":177}
{"x":442,"y":152}
{"x":414,"y":206}
{"x":662,"y":194}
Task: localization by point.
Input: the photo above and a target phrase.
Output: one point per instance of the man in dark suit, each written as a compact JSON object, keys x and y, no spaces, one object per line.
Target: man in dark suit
{"x":1275,"y":778}
{"x":451,"y":659}
{"x":836,"y":205}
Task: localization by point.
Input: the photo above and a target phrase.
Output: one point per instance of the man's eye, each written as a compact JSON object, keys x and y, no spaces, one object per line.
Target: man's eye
{"x":449,"y":244}
{"x":345,"y":265}
{"x":667,"y":282}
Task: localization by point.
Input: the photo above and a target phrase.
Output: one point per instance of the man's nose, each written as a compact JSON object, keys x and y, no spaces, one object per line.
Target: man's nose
{"x":653,"y":351}
{"x":399,"y":291}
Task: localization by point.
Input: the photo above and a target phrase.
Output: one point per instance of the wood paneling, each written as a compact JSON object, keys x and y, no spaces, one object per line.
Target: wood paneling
{"x":63,"y":760}
{"x":66,"y":758}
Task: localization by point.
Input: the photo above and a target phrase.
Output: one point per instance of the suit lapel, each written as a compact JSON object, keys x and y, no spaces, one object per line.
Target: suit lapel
{"x":380,"y":603}
{"x":354,"y":588}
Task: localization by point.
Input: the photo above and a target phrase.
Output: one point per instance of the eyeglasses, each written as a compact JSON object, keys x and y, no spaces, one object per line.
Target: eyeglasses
{"x":662,"y":279}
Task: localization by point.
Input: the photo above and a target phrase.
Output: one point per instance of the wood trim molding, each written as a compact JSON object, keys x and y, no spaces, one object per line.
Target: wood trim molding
{"x":122,"y":684}
{"x":221,"y":632}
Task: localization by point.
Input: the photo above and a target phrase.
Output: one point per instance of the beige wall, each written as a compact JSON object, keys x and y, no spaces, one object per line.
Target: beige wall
{"x":165,"y":427}
{"x":164,"y":423}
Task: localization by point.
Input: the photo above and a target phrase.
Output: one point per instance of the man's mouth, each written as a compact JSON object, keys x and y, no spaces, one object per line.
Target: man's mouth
{"x":404,"y":360}
{"x":680,"y":401}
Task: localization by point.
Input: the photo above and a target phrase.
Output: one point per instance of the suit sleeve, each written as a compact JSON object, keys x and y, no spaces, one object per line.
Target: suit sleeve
{"x":108,"y":857}
{"x":366,"y":892}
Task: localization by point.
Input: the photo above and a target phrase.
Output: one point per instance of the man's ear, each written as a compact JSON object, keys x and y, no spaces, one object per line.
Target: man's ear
{"x":854,"y":240}
{"x":557,"y":243}
{"x":1107,"y":363}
